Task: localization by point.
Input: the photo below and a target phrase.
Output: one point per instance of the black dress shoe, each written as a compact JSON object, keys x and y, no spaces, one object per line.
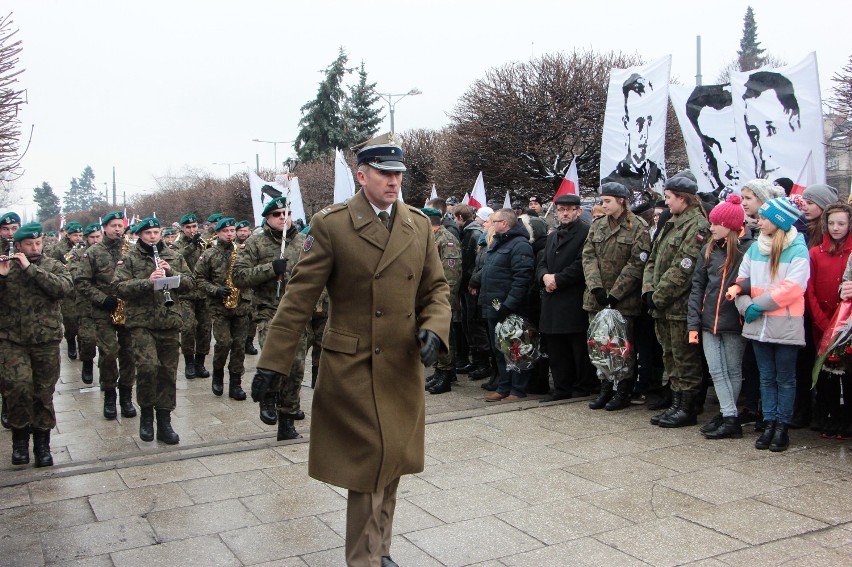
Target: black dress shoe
{"x":555,"y":397}
{"x":388,"y":562}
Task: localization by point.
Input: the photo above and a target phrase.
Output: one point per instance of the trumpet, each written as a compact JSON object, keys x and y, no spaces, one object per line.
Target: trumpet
{"x":167,"y":297}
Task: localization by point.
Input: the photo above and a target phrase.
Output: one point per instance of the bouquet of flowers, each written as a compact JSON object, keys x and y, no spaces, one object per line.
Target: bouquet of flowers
{"x":609,"y":348}
{"x":836,"y":345}
{"x":518,"y":340}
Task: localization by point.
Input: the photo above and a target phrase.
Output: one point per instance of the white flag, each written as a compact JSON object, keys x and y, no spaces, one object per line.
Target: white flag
{"x":477,"y":197}
{"x":344,"y":183}
{"x":297,"y":207}
{"x":507,"y":202}
{"x":434,"y":194}
{"x":261,"y":192}
{"x":466,"y":199}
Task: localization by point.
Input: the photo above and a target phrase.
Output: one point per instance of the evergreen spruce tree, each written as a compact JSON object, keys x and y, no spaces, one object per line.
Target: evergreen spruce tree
{"x":362,"y":118}
{"x":47,"y":201}
{"x":322,"y":127}
{"x":82,"y":195}
{"x":750,"y":56}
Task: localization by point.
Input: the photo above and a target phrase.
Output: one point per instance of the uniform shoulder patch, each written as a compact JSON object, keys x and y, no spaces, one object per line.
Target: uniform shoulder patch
{"x":309,"y":242}
{"x":643,"y":256}
{"x":120,"y":263}
{"x":699,"y":237}
{"x":686,"y":263}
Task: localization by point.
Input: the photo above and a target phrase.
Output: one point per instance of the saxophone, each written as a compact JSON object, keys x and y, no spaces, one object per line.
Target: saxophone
{"x":233,"y":299}
{"x":117,"y":315}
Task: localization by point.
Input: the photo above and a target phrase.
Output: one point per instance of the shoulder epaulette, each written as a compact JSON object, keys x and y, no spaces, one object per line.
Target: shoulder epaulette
{"x":416,"y":210}
{"x":334,"y":208}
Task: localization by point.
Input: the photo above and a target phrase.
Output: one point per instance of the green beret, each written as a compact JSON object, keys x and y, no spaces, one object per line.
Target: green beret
{"x":225,"y":222}
{"x":215,"y":217}
{"x":169,"y":232}
{"x":112,"y":216}
{"x":188,"y":218}
{"x":50,"y":233}
{"x":73,"y":227}
{"x":29,"y":230}
{"x":243,"y":224}
{"x":430,"y":212}
{"x":10,"y":218}
{"x":145,"y":224}
{"x":94,"y":227}
{"x":274,"y":205}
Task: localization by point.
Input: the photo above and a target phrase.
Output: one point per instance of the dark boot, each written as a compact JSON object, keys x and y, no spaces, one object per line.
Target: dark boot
{"x":88,"y":371}
{"x":621,"y":399}
{"x":491,"y":385}
{"x":250,"y":346}
{"x":298,"y":415}
{"x":165,"y":433}
{"x":464,"y":367}
{"x":235,"y":388}
{"x":664,"y":401}
{"x":765,"y":438}
{"x":109,"y":403}
{"x":314,"y":374}
{"x":780,"y":440}
{"x":4,"y":414}
{"x":41,"y":449}
{"x":218,"y":383}
{"x":200,"y":371}
{"x":729,"y":428}
{"x":604,"y":396}
{"x":189,"y":370}
{"x":268,"y":413}
{"x":685,"y":414}
{"x":483,"y":368}
{"x":72,"y":347}
{"x":146,"y":424}
{"x":433,"y":379}
{"x":286,"y":430}
{"x":443,"y":384}
{"x":125,"y":401}
{"x":675,"y":404}
{"x":21,"y":446}
{"x":712,"y":425}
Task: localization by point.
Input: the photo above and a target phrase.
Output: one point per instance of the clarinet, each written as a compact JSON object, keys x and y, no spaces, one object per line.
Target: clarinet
{"x":167,"y":297}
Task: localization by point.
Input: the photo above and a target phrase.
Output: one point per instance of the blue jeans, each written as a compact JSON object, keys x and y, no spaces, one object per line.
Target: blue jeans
{"x":777,"y":364}
{"x":508,"y":381}
{"x":724,"y":354}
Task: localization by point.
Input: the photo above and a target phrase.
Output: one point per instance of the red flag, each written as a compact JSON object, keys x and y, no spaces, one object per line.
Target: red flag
{"x":570,"y":183}
{"x":126,"y":222}
{"x":477,"y":197}
{"x":807,"y":176}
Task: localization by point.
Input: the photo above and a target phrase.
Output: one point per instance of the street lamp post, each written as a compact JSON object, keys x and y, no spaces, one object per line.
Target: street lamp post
{"x":274,"y":149}
{"x":388,"y":97}
{"x":228,"y":164}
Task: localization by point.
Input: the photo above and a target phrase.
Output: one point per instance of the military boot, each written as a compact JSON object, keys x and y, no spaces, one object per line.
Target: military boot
{"x":146,"y":424}
{"x":268,"y":413}
{"x":604,"y":396}
{"x":4,"y":414}
{"x":21,"y":446}
{"x":664,"y":401}
{"x":443,"y":384}
{"x":314,"y":374}
{"x":483,"y":367}
{"x":286,"y":429}
{"x":621,"y":399}
{"x":41,"y":449}
{"x":88,"y":371}
{"x":434,"y":378}
{"x":72,"y":347}
{"x":189,"y":366}
{"x":670,"y":410}
{"x":250,"y":346}
{"x":780,"y":439}
{"x":200,"y":371}
{"x":125,"y":401}
{"x":729,"y":428}
{"x":109,"y":403}
{"x":165,"y":433}
{"x":218,"y":383}
{"x":235,"y":387}
{"x":685,"y":413}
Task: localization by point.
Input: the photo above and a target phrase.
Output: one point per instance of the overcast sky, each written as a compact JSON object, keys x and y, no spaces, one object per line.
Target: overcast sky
{"x":155,"y":87}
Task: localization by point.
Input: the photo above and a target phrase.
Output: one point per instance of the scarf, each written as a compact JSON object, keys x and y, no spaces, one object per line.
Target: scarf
{"x":764,"y":242}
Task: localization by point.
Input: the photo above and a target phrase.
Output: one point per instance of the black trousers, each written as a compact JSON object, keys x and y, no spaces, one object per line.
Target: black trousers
{"x":569,"y":362}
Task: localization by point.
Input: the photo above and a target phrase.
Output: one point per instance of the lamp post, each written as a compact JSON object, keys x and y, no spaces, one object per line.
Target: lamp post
{"x":228,"y":164}
{"x":388,"y":97}
{"x":274,"y":149}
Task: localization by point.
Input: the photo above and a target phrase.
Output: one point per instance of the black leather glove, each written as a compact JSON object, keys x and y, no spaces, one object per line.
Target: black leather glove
{"x":430,"y":347}
{"x":503,"y":313}
{"x":279,"y":266}
{"x":223,"y":292}
{"x":197,"y":239}
{"x":648,"y":298}
{"x":600,"y":296}
{"x":264,"y":382}
{"x":110,"y":303}
{"x":612,"y":301}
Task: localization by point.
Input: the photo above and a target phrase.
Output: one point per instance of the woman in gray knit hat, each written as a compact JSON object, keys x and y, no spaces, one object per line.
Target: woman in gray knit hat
{"x":817,"y":198}
{"x":754,"y":194}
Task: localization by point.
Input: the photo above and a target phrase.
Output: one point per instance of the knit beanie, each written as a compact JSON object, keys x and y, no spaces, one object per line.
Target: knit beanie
{"x":764,"y":189}
{"x":781,"y":212}
{"x":483,"y":213}
{"x":820,"y":195}
{"x":729,"y":214}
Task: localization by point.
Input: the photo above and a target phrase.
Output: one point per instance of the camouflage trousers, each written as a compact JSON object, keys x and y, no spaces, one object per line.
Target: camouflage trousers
{"x":316,"y":329}
{"x":71,"y":323}
{"x":291,"y":386}
{"x":230,"y":334}
{"x":30,"y":373}
{"x":252,"y":329}
{"x":87,"y":339}
{"x":682,"y":360}
{"x":115,"y":355}
{"x":447,"y":361}
{"x":157,"y":354}
{"x":197,"y":327}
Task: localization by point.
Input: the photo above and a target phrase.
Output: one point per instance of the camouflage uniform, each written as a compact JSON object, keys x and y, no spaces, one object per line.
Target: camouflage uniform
{"x":155,"y":328}
{"x":29,"y":341}
{"x":93,"y":279}
{"x":249,"y":295}
{"x":668,"y":275}
{"x":197,"y":323}
{"x":253,"y":269}
{"x":86,"y":334}
{"x":449,"y":250}
{"x":70,"y":314}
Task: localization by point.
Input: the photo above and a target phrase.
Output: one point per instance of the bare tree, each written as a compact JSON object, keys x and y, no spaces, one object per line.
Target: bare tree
{"x":11,"y":96}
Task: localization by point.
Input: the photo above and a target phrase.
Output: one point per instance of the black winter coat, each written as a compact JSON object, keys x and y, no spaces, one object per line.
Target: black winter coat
{"x":508,"y":272}
{"x":470,"y":235}
{"x":562,"y":311}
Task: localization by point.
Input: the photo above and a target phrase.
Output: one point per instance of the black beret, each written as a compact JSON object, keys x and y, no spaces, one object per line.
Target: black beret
{"x":614,"y":189}
{"x":682,"y":184}
{"x":568,"y":200}
{"x":640,"y":208}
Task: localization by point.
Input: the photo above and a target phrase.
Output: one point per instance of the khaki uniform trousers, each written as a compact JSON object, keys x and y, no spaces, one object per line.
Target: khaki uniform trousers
{"x":369,"y":525}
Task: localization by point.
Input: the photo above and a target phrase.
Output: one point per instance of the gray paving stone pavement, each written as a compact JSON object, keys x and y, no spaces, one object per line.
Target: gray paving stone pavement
{"x":505,"y":484}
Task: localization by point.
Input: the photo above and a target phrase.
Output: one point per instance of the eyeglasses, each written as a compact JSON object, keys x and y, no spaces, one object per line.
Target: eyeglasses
{"x":277,"y":214}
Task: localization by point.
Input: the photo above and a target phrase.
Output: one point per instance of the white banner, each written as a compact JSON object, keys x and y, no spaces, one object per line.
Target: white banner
{"x":344,"y":182}
{"x":263,"y":191}
{"x":778,"y":119}
{"x":633,"y":144}
{"x":706,"y":118}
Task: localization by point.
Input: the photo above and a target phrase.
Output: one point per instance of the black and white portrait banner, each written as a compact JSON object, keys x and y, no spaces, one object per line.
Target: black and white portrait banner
{"x":706,"y":118}
{"x":778,"y":120}
{"x":633,"y":144}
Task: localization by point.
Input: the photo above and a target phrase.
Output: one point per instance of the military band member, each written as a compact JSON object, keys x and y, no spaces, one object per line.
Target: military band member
{"x":93,"y":280}
{"x":243,"y":232}
{"x":214,"y":273}
{"x":154,"y":320}
{"x":29,"y":342}
{"x":86,"y":336}
{"x":169,"y":237}
{"x":70,"y":316}
{"x":260,"y":267}
{"x":197,"y":323}
{"x":210,"y":228}
{"x":9,"y":223}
